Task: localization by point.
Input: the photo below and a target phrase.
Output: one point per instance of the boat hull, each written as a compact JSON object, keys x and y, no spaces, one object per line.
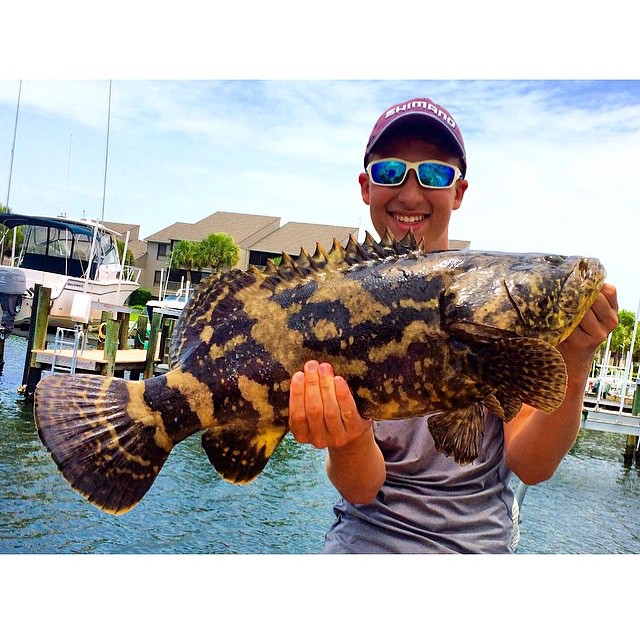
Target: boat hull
{"x":63,"y":292}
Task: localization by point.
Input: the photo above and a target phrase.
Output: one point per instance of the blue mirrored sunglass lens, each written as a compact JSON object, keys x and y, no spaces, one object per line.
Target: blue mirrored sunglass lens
{"x":435,"y":175}
{"x":388,"y":172}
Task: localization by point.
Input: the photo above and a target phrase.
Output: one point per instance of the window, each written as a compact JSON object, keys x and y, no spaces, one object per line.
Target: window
{"x":162,"y":250}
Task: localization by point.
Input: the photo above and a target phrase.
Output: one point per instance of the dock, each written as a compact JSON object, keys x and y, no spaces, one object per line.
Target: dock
{"x":92,"y":360}
{"x":110,"y":357}
{"x":611,"y":422}
{"x":615,"y":416}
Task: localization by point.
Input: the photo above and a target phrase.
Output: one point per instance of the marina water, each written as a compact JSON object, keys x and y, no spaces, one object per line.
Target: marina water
{"x":590,"y":506}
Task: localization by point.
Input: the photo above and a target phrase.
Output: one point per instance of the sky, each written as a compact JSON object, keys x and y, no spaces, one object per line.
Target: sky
{"x":265,"y":108}
{"x":552,"y":163}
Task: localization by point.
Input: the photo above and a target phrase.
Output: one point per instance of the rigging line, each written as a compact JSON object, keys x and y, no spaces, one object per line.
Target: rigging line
{"x":106,"y":157}
{"x":13,"y":146}
{"x":68,"y":172}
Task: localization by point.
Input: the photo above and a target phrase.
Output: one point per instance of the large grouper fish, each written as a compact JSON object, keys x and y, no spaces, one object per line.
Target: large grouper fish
{"x":448,"y":334}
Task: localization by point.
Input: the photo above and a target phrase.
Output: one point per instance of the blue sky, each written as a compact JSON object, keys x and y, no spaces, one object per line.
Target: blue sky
{"x":552,"y":164}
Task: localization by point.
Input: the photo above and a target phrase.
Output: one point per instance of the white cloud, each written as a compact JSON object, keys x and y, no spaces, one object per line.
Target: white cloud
{"x":551,"y":164}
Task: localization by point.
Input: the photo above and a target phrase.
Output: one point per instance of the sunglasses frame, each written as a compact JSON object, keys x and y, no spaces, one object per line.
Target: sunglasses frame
{"x":414,"y":165}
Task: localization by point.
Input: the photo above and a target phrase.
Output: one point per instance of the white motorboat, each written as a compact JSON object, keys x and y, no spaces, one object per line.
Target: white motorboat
{"x":77,"y":259}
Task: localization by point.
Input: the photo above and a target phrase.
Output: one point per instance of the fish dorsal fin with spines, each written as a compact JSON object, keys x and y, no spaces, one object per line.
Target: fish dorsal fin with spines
{"x":214,"y":299}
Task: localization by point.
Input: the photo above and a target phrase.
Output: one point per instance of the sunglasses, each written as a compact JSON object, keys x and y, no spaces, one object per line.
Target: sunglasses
{"x":391,"y":172}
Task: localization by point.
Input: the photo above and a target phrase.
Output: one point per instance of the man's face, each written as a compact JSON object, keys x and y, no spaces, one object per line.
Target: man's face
{"x":410,"y":205}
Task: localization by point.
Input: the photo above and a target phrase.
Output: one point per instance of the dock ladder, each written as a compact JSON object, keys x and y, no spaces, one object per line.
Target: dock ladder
{"x":68,"y":340}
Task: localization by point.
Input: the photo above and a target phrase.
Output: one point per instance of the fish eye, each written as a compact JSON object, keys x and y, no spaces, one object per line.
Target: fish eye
{"x":554,"y":260}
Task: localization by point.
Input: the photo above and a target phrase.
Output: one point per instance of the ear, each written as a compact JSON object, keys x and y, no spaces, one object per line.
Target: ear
{"x":461,"y":187}
{"x":363,"y":179}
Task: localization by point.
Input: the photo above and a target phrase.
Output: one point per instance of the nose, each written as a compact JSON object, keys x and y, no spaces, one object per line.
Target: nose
{"x":411,"y":191}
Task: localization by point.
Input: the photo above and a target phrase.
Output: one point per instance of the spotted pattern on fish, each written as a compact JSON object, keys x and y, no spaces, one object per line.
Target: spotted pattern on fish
{"x":451,"y":334}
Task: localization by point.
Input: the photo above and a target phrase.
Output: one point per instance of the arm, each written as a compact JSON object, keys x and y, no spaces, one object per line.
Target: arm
{"x":536,"y":442}
{"x":322,"y":412}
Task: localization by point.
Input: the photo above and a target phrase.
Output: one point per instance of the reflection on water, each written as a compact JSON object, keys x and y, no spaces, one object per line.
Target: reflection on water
{"x":589,"y":506}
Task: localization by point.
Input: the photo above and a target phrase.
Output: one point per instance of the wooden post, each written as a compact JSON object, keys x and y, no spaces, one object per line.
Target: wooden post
{"x":631,"y":450}
{"x":111,"y":346}
{"x":2,"y":338}
{"x":141,"y":332}
{"x":105,"y":316}
{"x":37,"y":337}
{"x":156,"y":321}
{"x":123,"y":319}
{"x":165,"y":334}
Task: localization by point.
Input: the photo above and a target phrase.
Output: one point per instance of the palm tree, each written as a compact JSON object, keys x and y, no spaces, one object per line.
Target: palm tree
{"x":186,"y":255}
{"x":218,"y":251}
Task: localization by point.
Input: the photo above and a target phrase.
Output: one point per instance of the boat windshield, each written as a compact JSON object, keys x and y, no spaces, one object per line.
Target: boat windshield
{"x":108,"y":250}
{"x":56,"y":250}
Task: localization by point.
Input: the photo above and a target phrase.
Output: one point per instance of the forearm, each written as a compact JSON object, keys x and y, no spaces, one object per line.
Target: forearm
{"x":357,"y":470}
{"x":536,"y":442}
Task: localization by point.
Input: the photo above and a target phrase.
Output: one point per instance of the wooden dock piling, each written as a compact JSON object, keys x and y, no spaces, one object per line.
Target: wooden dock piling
{"x":112,"y":357}
{"x":37,"y":338}
{"x":631,"y":450}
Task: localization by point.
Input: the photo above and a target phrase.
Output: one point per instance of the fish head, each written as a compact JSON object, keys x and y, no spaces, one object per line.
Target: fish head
{"x":531,"y":295}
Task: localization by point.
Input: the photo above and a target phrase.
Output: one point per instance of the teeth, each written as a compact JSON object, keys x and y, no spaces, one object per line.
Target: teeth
{"x":409,"y":219}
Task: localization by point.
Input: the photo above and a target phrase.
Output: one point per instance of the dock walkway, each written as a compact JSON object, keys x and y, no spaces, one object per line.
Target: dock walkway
{"x":92,"y":360}
{"x":611,"y":421}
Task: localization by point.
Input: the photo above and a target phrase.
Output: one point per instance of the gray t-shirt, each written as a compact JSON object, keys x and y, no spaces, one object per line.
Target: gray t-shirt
{"x":429,"y":503}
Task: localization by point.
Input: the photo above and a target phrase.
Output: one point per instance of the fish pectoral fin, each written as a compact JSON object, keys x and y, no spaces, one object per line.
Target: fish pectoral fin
{"x":528,"y":370}
{"x":458,"y":433}
{"x":240,"y":454}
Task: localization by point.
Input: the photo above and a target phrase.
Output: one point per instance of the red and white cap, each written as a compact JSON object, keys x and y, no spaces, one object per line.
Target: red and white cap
{"x":422,"y":109}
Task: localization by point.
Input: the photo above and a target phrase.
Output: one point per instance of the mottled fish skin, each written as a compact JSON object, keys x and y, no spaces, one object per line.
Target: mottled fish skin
{"x":451,"y":333}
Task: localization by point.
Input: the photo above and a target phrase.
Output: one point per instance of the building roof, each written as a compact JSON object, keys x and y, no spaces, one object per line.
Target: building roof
{"x":240,"y":226}
{"x":295,"y":235}
{"x":137,"y":247}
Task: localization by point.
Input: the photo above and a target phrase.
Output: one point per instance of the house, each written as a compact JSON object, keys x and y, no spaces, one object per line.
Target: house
{"x":245,"y":229}
{"x":137,"y":247}
{"x":258,"y":238}
{"x":294,"y":236}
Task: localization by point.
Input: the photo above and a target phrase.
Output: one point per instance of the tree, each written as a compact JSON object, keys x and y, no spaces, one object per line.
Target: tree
{"x":621,"y":337}
{"x":8,"y":239}
{"x":218,"y":251}
{"x":186,"y":255}
{"x":129,"y":257}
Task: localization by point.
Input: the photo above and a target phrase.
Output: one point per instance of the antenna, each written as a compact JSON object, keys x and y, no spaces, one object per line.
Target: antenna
{"x":68,"y":172}
{"x":13,"y":146}
{"x":106,"y":157}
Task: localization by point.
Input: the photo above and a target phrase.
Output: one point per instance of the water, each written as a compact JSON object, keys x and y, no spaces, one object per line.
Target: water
{"x":591,"y":505}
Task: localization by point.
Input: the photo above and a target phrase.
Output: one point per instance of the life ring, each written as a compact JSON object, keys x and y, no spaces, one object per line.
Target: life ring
{"x":102,"y":331}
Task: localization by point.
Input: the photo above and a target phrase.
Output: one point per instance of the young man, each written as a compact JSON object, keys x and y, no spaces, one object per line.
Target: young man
{"x":398,"y":493}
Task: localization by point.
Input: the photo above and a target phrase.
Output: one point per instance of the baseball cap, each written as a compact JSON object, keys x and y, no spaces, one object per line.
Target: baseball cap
{"x":420,"y":110}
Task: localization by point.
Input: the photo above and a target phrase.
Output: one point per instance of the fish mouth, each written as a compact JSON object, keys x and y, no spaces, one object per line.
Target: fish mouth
{"x":582,"y":286}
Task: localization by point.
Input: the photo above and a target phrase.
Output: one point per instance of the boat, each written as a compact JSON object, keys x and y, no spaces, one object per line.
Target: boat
{"x":170,"y":304}
{"x":77,"y":259}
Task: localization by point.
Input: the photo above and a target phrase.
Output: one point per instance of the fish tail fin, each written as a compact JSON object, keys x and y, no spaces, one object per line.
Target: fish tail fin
{"x":108,"y":444}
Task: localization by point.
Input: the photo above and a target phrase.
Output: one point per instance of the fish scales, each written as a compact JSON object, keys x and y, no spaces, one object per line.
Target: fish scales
{"x":448,"y":334}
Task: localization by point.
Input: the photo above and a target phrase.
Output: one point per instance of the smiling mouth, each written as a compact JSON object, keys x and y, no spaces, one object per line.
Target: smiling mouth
{"x":409,"y":219}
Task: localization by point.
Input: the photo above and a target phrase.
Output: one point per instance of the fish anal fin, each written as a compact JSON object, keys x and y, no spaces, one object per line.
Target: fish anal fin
{"x":239,"y":455}
{"x":505,"y":407}
{"x":458,"y":433}
{"x":102,"y":438}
